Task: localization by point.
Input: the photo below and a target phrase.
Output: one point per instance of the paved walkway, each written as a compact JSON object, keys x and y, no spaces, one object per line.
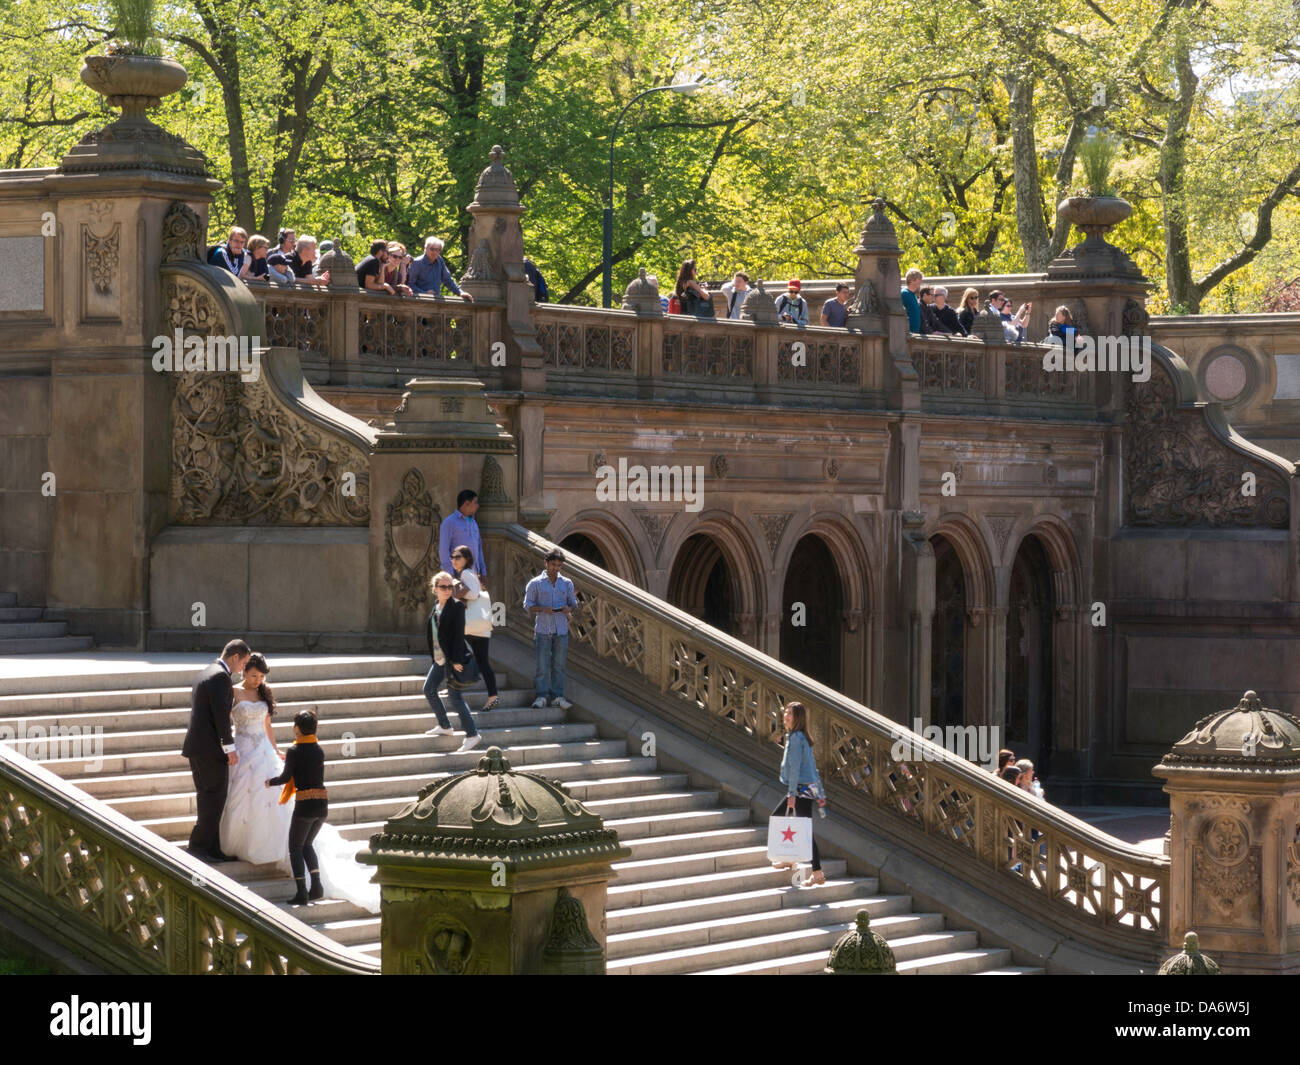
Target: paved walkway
{"x":1142,"y":826}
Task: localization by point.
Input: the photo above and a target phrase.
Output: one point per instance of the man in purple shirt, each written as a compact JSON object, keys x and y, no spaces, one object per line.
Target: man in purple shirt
{"x":550,"y":598}
{"x":459,"y":529}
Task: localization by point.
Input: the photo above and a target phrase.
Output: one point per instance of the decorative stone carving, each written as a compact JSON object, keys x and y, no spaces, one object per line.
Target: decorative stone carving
{"x":773,"y":526}
{"x":1178,"y":472}
{"x":1050,"y":474}
{"x":451,"y":405}
{"x":492,"y":484}
{"x":411,"y":524}
{"x":101,"y":257}
{"x":655,"y":523}
{"x":183,"y":235}
{"x":1135,"y":318}
{"x":480,"y":264}
{"x":190,"y":307}
{"x":642,"y":296}
{"x":597,"y":460}
{"x":759,"y":307}
{"x":570,"y":932}
{"x":239,"y":457}
{"x":719,"y":466}
{"x":100,"y":210}
{"x":852,"y":620}
{"x":831,"y":469}
{"x":1001,"y":524}
{"x":867,"y":303}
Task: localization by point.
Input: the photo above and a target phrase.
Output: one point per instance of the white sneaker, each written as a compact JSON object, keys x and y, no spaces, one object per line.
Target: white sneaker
{"x":470,"y":743}
{"x":438,"y":730}
{"x":538,"y":704}
{"x":561,"y":702}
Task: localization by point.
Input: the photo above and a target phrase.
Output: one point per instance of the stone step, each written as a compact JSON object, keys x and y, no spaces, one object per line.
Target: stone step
{"x":956,"y":963}
{"x":685,"y":911}
{"x":630,"y":828}
{"x":897,"y":929}
{"x":729,"y":928}
{"x":45,"y":645}
{"x":1013,"y":970}
{"x":643,"y":870}
{"x":20,"y":613}
{"x":964,"y":961}
{"x":164,"y":773}
{"x":21,"y":630}
{"x":673,"y":889}
{"x":173,"y":707}
{"x":127,"y":671}
{"x":664,"y":846}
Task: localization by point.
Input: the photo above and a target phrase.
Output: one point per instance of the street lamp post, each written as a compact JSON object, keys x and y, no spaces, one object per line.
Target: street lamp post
{"x":607,"y":282}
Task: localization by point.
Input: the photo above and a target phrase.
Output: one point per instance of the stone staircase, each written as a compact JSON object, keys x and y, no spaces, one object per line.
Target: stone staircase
{"x":697,"y":894}
{"x":24,"y":631}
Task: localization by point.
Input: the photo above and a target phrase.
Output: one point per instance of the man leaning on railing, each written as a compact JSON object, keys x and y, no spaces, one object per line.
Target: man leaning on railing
{"x":428,"y":273}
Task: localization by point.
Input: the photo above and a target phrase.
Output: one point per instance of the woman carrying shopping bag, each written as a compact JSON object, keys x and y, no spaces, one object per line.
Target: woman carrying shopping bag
{"x":802,"y":782}
{"x":478,"y":617}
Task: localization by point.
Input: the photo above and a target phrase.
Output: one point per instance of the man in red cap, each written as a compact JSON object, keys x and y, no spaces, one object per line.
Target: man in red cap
{"x":790,"y":306}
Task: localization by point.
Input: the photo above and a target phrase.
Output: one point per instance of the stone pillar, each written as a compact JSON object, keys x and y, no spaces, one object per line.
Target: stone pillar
{"x":443,"y":439}
{"x":877,"y":306}
{"x":494,"y":872}
{"x":1234,"y":797}
{"x":88,"y":238}
{"x":642,"y":296}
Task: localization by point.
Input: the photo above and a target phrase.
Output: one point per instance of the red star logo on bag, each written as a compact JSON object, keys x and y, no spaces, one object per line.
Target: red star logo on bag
{"x":788,"y":835}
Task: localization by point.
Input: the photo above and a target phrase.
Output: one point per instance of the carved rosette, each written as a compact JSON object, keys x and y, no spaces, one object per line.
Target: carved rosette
{"x":1227,"y":872}
{"x":411,"y":525}
{"x":101,"y":257}
{"x":1178,"y":472}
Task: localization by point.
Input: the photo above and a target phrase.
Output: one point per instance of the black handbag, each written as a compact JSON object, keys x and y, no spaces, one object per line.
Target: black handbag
{"x":467,"y":677}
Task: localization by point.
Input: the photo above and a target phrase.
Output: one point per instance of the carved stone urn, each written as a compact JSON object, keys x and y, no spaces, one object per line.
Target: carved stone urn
{"x":135,"y":83}
{"x":1094,"y":215}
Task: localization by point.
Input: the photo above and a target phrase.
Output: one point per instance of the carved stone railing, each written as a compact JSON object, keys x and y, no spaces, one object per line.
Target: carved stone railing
{"x":1052,"y":867}
{"x":695,"y":348}
{"x":579,"y":338}
{"x":117,"y":895}
{"x":966,"y":369}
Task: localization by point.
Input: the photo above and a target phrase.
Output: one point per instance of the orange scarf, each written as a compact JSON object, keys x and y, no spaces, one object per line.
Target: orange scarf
{"x":286,"y":793}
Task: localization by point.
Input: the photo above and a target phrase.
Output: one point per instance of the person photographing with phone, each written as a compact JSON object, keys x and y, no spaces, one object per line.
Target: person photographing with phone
{"x":550,"y":598}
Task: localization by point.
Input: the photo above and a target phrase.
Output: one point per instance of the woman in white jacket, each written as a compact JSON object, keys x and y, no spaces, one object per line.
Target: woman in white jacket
{"x":478,"y":617}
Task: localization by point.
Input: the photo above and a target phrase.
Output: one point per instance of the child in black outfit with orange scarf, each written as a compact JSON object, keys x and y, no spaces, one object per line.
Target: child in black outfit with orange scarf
{"x":304,"y":781}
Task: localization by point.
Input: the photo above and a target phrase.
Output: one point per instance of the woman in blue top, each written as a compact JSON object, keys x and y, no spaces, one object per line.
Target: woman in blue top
{"x":802,"y":783}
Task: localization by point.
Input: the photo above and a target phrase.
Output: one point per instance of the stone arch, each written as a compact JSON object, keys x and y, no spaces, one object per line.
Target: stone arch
{"x":965,"y":639}
{"x":1063,"y":553}
{"x":976,"y":556}
{"x":694,"y":551}
{"x":616,"y":544}
{"x":852,"y":555}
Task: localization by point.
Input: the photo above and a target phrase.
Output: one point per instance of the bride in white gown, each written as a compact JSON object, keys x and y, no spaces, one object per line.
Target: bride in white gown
{"x":254,"y":826}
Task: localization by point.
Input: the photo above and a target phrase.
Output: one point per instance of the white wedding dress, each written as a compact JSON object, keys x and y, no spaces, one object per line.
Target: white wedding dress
{"x":255,"y":827}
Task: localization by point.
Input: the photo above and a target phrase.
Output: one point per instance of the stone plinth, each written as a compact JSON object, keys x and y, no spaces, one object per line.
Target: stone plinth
{"x":494,"y":872}
{"x":1234,"y":795}
{"x":443,"y":439}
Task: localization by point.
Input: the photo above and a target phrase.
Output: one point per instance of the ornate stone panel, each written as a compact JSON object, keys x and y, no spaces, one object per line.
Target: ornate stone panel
{"x":1179,"y":472}
{"x":411,"y":524}
{"x":773,"y":526}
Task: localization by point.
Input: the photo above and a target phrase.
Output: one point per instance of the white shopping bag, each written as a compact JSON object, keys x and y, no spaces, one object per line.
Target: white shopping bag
{"x":789,"y":839}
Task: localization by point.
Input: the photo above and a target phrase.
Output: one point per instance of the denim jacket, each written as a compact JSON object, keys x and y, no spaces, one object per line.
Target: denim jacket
{"x":798,"y":766}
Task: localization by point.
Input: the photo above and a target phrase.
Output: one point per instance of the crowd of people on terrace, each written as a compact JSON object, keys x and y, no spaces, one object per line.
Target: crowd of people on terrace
{"x":929,"y":312}
{"x":296,"y":260}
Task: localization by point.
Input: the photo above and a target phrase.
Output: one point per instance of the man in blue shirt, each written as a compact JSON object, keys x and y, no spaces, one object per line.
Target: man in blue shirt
{"x":459,"y":529}
{"x":429,"y":273}
{"x":912,"y":285}
{"x":835,"y":311}
{"x":550,"y":598}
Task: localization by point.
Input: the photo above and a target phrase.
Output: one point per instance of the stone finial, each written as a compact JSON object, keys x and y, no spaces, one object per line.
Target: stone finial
{"x":867,"y":303}
{"x":878,"y":234}
{"x":642,"y":296}
{"x":759,"y":307}
{"x":1248,"y":735}
{"x":496,"y":185}
{"x":571,"y":949}
{"x":342,"y":270}
{"x":861,"y":952}
{"x":480,"y":264}
{"x":987,"y":325}
{"x":1191,"y":962}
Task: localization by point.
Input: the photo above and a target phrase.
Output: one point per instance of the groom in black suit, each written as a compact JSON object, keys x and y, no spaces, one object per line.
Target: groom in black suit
{"x":210,"y":748}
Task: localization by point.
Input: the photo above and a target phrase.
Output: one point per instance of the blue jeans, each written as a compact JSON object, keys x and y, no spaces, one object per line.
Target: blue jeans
{"x":551,"y":652}
{"x":431,"y":685}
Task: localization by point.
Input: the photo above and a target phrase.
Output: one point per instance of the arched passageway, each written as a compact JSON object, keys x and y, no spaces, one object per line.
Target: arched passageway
{"x":948,"y":637}
{"x":1030,"y":681}
{"x":703,"y":584}
{"x":812,"y":613}
{"x":585,"y":548}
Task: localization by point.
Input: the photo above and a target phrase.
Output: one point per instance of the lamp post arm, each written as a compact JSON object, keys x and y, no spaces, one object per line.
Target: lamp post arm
{"x":613,"y":136}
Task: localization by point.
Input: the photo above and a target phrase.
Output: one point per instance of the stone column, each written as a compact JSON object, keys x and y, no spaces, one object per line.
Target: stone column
{"x":642,"y":296}
{"x":1234,"y":797}
{"x":877,"y":306}
{"x":494,"y":872}
{"x":98,"y":245}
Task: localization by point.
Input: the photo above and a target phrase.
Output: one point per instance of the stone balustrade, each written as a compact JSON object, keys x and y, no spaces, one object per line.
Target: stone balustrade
{"x":118,"y":896}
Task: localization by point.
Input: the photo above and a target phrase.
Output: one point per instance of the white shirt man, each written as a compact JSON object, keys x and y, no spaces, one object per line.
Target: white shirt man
{"x":735,"y":291}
